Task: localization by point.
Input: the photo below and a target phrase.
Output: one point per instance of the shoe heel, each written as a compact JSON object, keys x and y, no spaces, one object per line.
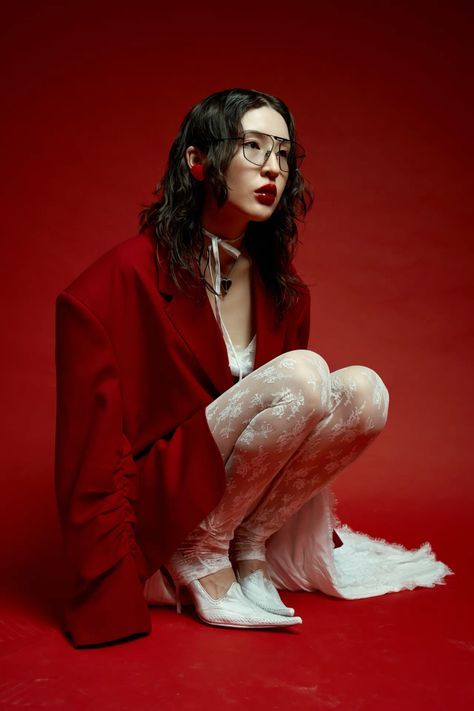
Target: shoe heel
{"x":178,"y":598}
{"x":177,"y":587}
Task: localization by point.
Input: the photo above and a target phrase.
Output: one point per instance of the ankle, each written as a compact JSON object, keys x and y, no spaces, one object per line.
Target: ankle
{"x":186,"y":566}
{"x":217,"y":584}
{"x":245,"y":567}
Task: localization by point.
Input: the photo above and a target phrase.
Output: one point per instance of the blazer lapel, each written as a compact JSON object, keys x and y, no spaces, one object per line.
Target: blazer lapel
{"x":194,"y":320}
{"x":270,"y":335}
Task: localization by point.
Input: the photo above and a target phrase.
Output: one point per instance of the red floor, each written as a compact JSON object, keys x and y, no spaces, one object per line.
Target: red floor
{"x":411,"y":649}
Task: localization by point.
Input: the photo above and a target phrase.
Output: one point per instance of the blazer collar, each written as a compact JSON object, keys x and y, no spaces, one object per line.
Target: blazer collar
{"x":194,"y":320}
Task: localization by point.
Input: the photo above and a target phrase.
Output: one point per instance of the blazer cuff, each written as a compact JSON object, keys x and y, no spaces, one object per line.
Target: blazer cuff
{"x":112,"y":607}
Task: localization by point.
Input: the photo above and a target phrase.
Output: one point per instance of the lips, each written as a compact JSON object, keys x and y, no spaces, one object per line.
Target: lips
{"x":268,"y":189}
{"x":266,"y":194}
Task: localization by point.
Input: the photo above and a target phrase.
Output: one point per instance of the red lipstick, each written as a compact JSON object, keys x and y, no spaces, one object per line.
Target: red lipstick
{"x":266,"y":194}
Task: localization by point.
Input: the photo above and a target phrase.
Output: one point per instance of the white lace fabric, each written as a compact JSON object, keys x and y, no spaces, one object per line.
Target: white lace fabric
{"x":285,"y":432}
{"x":243,"y":363}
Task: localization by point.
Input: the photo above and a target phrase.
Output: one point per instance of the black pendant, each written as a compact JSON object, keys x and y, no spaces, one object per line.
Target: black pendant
{"x":226,"y":284}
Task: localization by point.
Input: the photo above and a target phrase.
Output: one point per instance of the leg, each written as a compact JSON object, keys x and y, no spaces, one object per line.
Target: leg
{"x":358,"y":413}
{"x":257,"y":425}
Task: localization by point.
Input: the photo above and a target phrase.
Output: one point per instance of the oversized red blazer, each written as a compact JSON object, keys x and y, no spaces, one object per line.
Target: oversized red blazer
{"x":136,"y":466}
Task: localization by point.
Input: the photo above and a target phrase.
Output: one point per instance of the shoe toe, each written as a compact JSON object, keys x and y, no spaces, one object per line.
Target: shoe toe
{"x":262,"y":592}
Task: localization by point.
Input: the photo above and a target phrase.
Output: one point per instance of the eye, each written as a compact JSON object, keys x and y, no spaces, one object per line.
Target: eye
{"x":252,"y":144}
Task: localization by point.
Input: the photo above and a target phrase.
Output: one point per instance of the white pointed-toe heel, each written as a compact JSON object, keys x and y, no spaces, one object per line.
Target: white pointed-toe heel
{"x":233,"y":609}
{"x":261,"y":591}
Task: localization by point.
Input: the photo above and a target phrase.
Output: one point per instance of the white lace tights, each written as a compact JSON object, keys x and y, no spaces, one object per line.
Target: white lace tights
{"x":284,"y":432}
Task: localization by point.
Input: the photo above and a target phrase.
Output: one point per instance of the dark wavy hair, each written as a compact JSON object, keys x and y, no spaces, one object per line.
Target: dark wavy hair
{"x":175,"y":216}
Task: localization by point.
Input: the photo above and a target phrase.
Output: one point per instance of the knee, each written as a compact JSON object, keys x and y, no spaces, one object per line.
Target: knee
{"x":367,"y":387}
{"x":312,"y":378}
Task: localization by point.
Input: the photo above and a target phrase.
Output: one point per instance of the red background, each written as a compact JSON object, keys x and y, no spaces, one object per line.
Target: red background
{"x":93,"y":94}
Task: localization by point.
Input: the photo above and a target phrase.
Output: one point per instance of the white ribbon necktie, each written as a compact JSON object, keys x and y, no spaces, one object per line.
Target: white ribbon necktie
{"x":213,"y":249}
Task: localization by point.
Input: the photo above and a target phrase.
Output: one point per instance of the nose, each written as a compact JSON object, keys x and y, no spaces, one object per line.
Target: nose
{"x":271,"y":165}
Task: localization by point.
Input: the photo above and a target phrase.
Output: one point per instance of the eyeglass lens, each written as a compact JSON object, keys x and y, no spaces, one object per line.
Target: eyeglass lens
{"x":258,"y":146}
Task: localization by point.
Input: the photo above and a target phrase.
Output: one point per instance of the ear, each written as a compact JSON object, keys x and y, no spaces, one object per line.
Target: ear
{"x":194,"y":156}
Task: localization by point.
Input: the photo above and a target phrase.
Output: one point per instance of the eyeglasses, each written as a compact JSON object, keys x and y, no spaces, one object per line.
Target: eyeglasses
{"x":257,"y":148}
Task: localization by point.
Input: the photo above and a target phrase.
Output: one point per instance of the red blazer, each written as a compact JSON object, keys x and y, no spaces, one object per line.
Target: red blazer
{"x":136,"y":466}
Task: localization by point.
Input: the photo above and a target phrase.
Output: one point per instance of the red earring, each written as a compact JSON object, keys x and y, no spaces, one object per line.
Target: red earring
{"x":197,"y":171}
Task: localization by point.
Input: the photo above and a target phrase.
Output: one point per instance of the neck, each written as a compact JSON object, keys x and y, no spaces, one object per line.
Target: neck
{"x":227,"y":223}
{"x":232,"y":237}
{"x":234,"y":241}
{"x":226,"y":259}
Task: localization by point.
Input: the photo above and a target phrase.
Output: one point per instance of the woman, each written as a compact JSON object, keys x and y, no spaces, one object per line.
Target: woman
{"x":196,"y":434}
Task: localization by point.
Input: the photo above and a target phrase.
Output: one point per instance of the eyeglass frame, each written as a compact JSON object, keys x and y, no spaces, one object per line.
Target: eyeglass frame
{"x":299,"y":157}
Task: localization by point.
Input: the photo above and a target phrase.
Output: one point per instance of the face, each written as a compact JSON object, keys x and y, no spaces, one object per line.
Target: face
{"x":244,"y":178}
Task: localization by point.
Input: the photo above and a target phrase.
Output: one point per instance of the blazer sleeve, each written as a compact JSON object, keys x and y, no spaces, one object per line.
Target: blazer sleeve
{"x":95,"y":485}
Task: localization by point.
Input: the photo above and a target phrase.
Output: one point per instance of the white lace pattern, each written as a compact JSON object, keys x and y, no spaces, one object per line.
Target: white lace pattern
{"x":284,"y":432}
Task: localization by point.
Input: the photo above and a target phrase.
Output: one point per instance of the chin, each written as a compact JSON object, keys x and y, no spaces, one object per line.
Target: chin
{"x":255,"y":213}
{"x":261,"y":218}
{"x":261,"y":214}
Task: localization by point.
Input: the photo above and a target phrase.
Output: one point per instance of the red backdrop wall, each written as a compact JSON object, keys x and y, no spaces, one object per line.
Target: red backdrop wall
{"x":93,"y":95}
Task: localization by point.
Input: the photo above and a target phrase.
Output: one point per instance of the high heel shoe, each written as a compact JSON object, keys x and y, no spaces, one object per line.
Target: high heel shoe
{"x":233,"y":609}
{"x":261,"y":591}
